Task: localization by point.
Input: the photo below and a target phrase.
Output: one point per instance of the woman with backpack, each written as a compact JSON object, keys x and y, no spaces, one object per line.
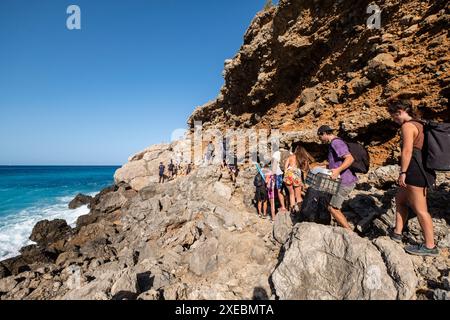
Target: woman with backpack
{"x":413,"y":180}
{"x":296,"y":165}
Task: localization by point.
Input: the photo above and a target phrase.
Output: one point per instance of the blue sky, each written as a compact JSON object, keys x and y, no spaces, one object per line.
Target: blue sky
{"x":133,"y":73}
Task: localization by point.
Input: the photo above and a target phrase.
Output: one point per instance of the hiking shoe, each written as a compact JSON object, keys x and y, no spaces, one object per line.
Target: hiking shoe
{"x":395,"y":236}
{"x":422,"y":250}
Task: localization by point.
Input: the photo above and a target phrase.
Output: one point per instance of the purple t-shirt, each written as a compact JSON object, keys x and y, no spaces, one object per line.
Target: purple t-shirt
{"x":338,"y":149}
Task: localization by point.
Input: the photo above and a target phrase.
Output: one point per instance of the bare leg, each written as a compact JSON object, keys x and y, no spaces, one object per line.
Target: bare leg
{"x":339,"y":217}
{"x":265,"y":208}
{"x":401,"y":214}
{"x":272,"y":208}
{"x":259,"y":207}
{"x":281,"y":198}
{"x":298,"y":194}
{"x":418,"y":202}
{"x":291,"y":196}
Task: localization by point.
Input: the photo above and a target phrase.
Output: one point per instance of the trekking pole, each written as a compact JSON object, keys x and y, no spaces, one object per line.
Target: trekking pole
{"x":260,"y":171}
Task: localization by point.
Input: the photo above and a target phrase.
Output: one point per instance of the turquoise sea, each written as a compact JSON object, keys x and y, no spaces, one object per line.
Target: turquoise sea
{"x":29,"y":194}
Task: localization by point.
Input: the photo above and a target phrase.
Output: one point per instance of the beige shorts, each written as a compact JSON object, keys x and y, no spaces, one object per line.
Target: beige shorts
{"x":342,"y":194}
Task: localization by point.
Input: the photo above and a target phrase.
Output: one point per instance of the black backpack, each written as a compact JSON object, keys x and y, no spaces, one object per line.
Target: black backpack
{"x":436,"y":149}
{"x":258,"y":181}
{"x":361,"y":156}
{"x":315,"y":207}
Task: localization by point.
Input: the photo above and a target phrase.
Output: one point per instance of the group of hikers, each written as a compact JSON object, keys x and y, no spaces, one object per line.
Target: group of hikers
{"x":174,"y":169}
{"x":284,"y":179}
{"x":287,"y":173}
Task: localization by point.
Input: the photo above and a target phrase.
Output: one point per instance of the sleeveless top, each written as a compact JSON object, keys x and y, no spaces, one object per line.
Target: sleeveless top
{"x":418,"y":141}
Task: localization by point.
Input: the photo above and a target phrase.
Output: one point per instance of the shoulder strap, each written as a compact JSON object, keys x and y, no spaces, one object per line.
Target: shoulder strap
{"x":421,"y":167}
{"x":420,"y":128}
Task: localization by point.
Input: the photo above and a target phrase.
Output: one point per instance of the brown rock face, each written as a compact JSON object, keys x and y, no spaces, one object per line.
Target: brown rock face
{"x":46,"y":232}
{"x":305,"y":63}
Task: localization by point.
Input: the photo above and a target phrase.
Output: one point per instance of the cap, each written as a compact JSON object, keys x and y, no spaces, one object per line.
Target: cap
{"x":323,"y":129}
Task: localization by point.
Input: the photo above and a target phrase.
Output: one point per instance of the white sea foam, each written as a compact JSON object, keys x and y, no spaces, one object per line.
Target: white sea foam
{"x":16,"y":229}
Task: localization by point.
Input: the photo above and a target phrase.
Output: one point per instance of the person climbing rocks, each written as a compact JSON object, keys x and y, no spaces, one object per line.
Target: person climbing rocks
{"x":171,"y":168}
{"x":414,"y":179}
{"x":233,"y":169}
{"x":277,"y":184}
{"x":296,"y":165}
{"x":189,"y":168}
{"x":209,"y":156}
{"x":339,"y":161}
{"x":261,"y":194}
{"x":161,"y":172}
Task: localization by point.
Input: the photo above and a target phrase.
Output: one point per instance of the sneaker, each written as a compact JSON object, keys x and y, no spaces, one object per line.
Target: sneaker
{"x":395,"y":236}
{"x":422,"y":250}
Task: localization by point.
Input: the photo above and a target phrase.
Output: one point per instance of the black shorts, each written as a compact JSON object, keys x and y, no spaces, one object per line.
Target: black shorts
{"x":417,"y":175}
{"x":261,"y":194}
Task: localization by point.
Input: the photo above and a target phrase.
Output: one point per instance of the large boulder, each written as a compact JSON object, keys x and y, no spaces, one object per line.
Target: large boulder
{"x":33,"y":254}
{"x":47,"y":232}
{"x":282,"y":227}
{"x":111,"y":202}
{"x":80,"y":200}
{"x":136,"y":173}
{"x":141,"y":170}
{"x":204,"y":258}
{"x":399,"y":266}
{"x":324,"y":263}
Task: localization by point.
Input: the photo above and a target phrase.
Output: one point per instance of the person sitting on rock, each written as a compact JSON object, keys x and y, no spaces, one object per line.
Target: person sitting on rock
{"x":339,"y":162}
{"x":297,"y":163}
{"x":161,"y":172}
{"x":413,"y":180}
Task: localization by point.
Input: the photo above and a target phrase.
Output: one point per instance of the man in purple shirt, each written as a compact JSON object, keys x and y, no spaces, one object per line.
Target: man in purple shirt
{"x":339,"y":162}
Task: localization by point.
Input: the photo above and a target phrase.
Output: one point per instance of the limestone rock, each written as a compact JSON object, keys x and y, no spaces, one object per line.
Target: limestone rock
{"x":282,"y":227}
{"x":204,"y":258}
{"x":331,"y":263}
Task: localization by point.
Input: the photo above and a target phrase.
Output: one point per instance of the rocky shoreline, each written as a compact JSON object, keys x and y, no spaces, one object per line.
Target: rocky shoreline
{"x":303,"y":64}
{"x":198,"y":237}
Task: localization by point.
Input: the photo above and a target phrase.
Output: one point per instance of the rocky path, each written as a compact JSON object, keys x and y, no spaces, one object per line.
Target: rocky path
{"x":198,"y":237}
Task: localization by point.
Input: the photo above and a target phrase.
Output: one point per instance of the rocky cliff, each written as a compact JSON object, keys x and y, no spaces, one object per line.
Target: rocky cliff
{"x":305,"y":63}
{"x":302,"y":63}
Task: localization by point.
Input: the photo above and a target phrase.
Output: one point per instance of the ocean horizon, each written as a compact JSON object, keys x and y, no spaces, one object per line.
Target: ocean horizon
{"x":31,"y":193}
